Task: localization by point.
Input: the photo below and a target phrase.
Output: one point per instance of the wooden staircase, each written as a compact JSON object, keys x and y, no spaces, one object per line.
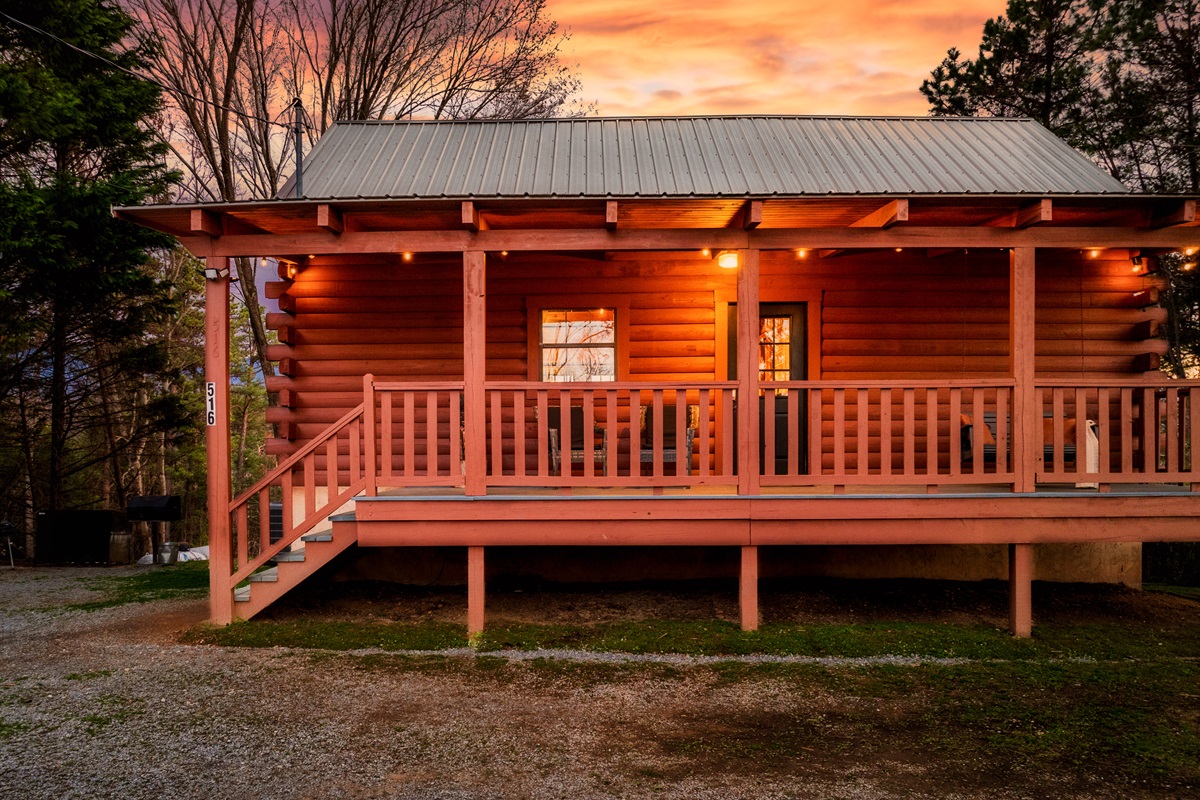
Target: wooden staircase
{"x":293,"y":567}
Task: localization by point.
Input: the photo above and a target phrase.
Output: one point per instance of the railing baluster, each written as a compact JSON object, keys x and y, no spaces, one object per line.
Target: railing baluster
{"x":431,"y":434}
{"x":1174,"y":463}
{"x":241,"y":531}
{"x":1003,"y":443}
{"x":932,"y":467}
{"x":768,"y":429}
{"x":288,"y":515}
{"x":543,"y":420}
{"x":331,"y":467}
{"x":589,"y":434}
{"x":387,"y":438}
{"x":1081,"y":429}
{"x":955,"y":440}
{"x":458,"y":467}
{"x":657,"y":444}
{"x":611,"y":427}
{"x":355,"y":451}
{"x":1193,"y":402}
{"x":1149,"y":432}
{"x":727,"y":428}
{"x":566,"y":468}
{"x":910,"y":432}
{"x":702,"y":439}
{"x":885,"y":431}
{"x":409,"y":451}
{"x":839,"y":432}
{"x":264,"y":519}
{"x":1126,"y":431}
{"x":497,"y":420}
{"x":634,"y":399}
{"x":310,"y":485}
{"x":1057,"y":426}
{"x":682,"y":456}
{"x":816,"y":464}
{"x":793,"y":430}
{"x":862,"y":450}
{"x":980,"y":433}
{"x":1104,"y":430}
{"x":519,"y":454}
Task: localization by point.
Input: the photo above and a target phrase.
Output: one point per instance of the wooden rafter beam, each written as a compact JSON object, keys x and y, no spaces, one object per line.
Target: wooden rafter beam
{"x":1037,"y":213}
{"x":1183,"y":213}
{"x":205,"y":222}
{"x":472,"y":220}
{"x":830,"y":253}
{"x":610,"y":215}
{"x":884,"y":217}
{"x":599,"y":240}
{"x":329,"y":218}
{"x":938,"y":252}
{"x":751,"y":214}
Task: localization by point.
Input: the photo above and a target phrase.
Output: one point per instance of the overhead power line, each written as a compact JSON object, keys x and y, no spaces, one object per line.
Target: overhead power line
{"x":139,"y":76}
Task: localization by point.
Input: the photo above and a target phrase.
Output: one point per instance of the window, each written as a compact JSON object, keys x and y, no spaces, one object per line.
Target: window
{"x":578,"y":344}
{"x":775,"y":349}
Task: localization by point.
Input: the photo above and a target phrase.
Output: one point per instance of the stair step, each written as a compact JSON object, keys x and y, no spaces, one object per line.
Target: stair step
{"x":323,"y":536}
{"x":241,"y":594}
{"x":266,"y":576}
{"x":289,"y":556}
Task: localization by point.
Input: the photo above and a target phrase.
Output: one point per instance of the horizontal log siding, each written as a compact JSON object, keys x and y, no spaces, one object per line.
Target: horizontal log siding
{"x":883,"y":316}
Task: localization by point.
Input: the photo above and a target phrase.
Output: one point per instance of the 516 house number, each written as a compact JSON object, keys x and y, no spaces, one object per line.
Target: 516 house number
{"x":210,"y":403}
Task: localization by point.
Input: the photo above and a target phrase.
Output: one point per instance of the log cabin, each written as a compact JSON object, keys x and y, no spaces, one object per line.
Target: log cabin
{"x":766,"y":334}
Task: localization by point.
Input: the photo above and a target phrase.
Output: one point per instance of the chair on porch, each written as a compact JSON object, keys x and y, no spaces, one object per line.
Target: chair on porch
{"x":967,"y":433}
{"x":672,"y":451}
{"x":577,"y":453}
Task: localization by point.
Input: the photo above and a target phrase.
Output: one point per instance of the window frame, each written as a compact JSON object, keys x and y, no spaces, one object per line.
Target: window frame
{"x":535,"y":305}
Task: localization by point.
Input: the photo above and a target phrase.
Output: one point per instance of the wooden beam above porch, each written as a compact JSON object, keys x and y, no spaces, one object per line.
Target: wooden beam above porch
{"x":206,"y":222}
{"x":610,"y":215}
{"x":471,"y":218}
{"x":752,"y":215}
{"x":1183,"y":213}
{"x":329,"y":218}
{"x":885,"y":217}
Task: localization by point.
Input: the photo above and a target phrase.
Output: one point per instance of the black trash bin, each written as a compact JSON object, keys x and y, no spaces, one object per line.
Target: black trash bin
{"x":77,"y":537}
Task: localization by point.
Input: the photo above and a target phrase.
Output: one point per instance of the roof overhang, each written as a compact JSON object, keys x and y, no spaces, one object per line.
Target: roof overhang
{"x":281,"y":227}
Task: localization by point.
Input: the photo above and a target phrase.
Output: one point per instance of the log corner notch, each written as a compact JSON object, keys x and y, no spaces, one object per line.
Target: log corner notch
{"x":329,"y":218}
{"x":886,"y":216}
{"x":1178,"y":214}
{"x":205,"y":222}
{"x":472,"y":220}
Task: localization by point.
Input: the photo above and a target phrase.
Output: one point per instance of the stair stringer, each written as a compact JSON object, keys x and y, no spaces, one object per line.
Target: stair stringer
{"x":318,"y":551}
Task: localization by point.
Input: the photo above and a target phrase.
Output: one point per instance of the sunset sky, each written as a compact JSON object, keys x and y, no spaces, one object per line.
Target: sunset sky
{"x":858,"y":57}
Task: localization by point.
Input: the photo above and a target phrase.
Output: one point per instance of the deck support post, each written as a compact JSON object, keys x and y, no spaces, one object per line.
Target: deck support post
{"x":475,"y":372}
{"x":1021,"y":342}
{"x":747,"y":373}
{"x":216,"y":439}
{"x":1020,"y":590}
{"x":475,"y":591}
{"x":748,"y":588}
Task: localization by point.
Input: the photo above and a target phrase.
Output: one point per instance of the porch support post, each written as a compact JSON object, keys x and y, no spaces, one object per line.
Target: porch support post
{"x":747,"y":372}
{"x":748,"y":588}
{"x":216,"y":441}
{"x":1021,"y":311}
{"x":1020,"y":590}
{"x":474,"y":374}
{"x":475,"y":591}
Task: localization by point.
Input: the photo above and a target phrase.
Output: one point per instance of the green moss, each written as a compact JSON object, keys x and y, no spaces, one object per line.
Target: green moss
{"x":155,"y":583}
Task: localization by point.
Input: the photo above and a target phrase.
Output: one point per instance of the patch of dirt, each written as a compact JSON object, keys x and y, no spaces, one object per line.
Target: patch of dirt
{"x":811,"y":601}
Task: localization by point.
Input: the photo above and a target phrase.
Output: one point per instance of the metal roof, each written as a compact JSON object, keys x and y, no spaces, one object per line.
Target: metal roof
{"x":736,"y":156}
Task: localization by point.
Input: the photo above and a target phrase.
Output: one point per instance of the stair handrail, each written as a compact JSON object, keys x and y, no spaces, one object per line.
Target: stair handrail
{"x":286,"y":467}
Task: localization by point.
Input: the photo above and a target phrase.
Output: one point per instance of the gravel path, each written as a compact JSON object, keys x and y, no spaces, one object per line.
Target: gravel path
{"x":105,"y":704}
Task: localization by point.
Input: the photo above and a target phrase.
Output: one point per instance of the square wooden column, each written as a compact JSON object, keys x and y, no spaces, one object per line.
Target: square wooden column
{"x":475,"y":371}
{"x":748,"y":588}
{"x":475,"y":590}
{"x":747,"y":372}
{"x":1021,"y":342}
{"x":1020,"y":590}
{"x":216,"y":440}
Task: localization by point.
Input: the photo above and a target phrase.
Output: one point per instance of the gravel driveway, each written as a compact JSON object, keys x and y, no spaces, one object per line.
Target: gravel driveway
{"x":106,"y":704}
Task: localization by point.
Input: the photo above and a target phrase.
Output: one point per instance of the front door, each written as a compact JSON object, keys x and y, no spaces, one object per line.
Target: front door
{"x":782,"y":356}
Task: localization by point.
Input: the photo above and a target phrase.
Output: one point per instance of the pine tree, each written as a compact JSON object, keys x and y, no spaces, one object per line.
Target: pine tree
{"x":76,"y":293}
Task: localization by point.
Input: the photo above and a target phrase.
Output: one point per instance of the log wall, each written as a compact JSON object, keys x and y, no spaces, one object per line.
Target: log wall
{"x":882,"y":316}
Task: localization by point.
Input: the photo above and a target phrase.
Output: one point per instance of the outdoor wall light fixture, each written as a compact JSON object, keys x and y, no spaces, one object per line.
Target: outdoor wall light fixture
{"x":215,"y":273}
{"x":706,"y":252}
{"x":802,"y":252}
{"x":406,"y":256}
{"x":727,"y":259}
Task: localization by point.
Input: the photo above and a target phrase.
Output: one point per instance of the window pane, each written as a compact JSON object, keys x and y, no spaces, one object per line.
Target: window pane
{"x":580,"y":327}
{"x":579,"y":364}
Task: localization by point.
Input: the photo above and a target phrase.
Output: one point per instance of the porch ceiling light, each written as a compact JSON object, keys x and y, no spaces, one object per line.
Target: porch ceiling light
{"x":406,"y":256}
{"x":727,"y":259}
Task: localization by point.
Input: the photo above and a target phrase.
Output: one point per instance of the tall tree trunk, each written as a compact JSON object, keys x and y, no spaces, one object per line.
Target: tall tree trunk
{"x":58,"y":407}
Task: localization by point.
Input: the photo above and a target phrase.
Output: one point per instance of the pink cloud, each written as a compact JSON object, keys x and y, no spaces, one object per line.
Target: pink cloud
{"x":799,"y":57}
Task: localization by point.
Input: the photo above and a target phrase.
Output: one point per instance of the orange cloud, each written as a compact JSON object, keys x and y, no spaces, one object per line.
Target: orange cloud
{"x":801,"y":57}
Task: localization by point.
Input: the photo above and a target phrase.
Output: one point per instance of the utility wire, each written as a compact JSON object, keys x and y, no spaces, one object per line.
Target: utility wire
{"x":139,"y":76}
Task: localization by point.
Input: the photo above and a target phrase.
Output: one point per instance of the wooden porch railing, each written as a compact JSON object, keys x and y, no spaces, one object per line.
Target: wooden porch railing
{"x":886,"y":433}
{"x":610,"y":434}
{"x":331,"y":469}
{"x":418,"y":428}
{"x":1129,"y":431}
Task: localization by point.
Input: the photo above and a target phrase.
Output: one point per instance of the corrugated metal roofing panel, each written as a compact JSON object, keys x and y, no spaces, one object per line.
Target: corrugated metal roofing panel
{"x":696,"y":157}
